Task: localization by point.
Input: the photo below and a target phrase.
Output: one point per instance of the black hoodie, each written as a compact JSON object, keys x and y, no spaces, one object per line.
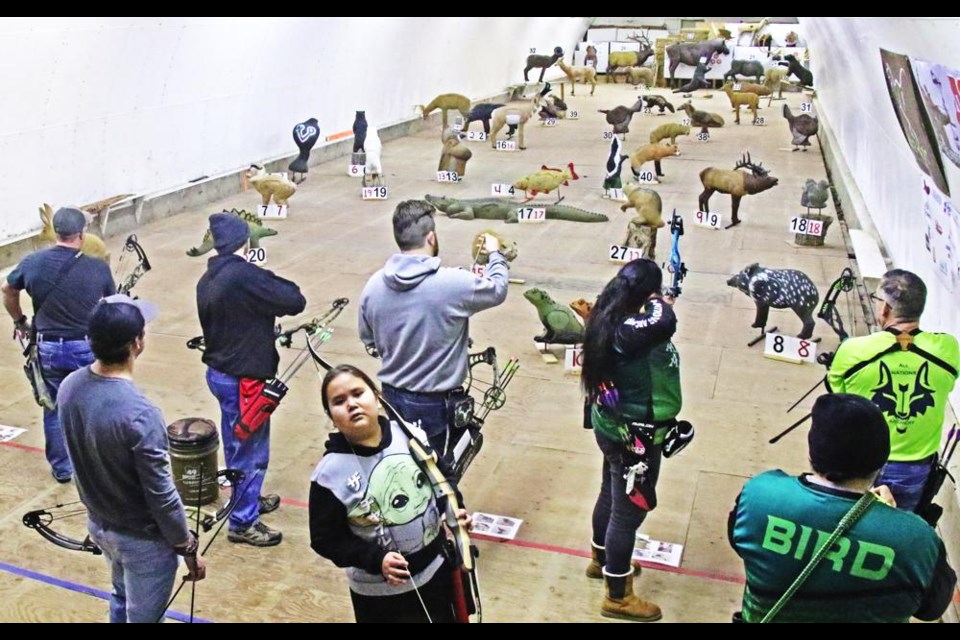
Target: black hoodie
{"x":238,"y":304}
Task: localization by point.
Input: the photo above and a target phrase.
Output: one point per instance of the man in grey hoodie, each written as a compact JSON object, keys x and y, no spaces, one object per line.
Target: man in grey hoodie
{"x":416,"y":315}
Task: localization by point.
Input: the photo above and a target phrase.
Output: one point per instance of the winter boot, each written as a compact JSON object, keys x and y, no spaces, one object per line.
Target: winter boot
{"x":620,"y":602}
{"x":599,"y":559}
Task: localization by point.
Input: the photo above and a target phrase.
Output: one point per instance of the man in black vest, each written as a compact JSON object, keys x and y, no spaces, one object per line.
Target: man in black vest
{"x":64,"y":286}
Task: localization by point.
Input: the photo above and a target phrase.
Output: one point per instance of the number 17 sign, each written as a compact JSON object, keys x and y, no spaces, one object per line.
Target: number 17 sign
{"x":789,"y":349}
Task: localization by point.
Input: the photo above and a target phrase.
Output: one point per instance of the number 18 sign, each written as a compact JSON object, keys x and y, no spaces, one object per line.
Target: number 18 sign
{"x":806,"y":226}
{"x":789,"y":349}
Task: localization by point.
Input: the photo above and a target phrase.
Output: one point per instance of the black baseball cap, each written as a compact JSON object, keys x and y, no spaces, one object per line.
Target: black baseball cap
{"x":118,"y":319}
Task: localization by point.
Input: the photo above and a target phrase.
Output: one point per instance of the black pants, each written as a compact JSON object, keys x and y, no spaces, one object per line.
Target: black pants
{"x":406,"y":607}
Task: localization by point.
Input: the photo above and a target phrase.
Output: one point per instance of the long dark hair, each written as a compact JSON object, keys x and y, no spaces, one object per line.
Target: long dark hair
{"x":338,"y":370}
{"x":623,"y":296}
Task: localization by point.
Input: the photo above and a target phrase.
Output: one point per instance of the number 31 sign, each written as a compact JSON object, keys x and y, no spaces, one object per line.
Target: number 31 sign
{"x":789,"y":349}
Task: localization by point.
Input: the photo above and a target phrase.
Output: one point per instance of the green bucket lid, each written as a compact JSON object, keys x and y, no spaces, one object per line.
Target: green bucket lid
{"x":192,"y":432}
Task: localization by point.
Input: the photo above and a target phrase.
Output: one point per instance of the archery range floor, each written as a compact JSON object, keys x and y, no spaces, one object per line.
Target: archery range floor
{"x":537,"y":463}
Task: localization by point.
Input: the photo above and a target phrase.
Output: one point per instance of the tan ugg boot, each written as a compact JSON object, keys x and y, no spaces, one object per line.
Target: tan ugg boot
{"x":620,"y":602}
{"x":599,"y":558}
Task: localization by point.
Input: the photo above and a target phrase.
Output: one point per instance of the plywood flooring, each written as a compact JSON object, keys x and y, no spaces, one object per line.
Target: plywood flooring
{"x":537,"y":464}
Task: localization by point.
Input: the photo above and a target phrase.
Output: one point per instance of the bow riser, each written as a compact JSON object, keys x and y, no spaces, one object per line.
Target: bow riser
{"x":139,"y":270}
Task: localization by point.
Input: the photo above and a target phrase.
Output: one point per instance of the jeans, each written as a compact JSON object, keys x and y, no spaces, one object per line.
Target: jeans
{"x":58,"y":359}
{"x":142,"y":570}
{"x":615,"y":518}
{"x":430,"y":410}
{"x":250,"y":456}
{"x":906,"y":480}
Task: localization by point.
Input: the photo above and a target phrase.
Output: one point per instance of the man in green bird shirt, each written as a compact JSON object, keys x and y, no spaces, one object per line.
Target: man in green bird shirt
{"x":908,"y":374}
{"x":888,"y":566}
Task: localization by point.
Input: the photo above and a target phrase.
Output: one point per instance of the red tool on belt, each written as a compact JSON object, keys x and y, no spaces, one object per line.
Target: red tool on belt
{"x":260,"y":398}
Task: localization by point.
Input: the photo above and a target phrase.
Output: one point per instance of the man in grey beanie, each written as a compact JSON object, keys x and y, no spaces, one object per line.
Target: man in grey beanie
{"x":887,"y":567}
{"x":64,"y":286}
{"x":239,"y":303}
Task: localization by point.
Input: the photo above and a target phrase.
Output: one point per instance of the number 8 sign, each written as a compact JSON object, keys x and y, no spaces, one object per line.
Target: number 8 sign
{"x":789,"y":349}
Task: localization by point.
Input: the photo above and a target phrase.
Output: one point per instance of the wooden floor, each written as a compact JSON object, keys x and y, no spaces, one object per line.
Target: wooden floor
{"x":537,"y":463}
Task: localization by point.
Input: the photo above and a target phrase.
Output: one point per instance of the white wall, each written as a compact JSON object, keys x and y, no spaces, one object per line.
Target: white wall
{"x":94,"y":107}
{"x":852,"y":93}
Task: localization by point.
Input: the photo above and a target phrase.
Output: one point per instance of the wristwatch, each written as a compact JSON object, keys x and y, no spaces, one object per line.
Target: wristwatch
{"x":189,"y":550}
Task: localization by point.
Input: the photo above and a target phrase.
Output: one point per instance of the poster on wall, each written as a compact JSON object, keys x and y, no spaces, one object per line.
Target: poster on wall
{"x":941,"y":236}
{"x":912,"y":117}
{"x":940,"y":94}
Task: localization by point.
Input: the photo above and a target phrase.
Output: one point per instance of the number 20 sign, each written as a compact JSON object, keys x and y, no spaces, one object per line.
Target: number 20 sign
{"x":789,"y":349}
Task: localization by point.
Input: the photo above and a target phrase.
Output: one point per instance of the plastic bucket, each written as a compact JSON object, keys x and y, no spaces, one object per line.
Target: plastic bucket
{"x":193,"y":459}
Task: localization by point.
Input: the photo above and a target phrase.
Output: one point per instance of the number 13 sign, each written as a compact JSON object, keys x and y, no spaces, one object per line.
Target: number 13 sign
{"x":789,"y":349}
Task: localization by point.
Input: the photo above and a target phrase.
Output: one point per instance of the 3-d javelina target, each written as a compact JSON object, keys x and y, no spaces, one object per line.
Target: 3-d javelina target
{"x":780,"y":289}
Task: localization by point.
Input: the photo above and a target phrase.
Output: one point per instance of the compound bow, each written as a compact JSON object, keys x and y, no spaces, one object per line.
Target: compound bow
{"x":828,"y":310}
{"x":831,"y":315}
{"x":494,"y":395}
{"x":139,"y":269}
{"x":41,"y":519}
{"x":466,"y":438}
{"x":314,"y":326}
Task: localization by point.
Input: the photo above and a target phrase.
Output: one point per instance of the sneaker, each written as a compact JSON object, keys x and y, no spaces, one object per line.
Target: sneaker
{"x":269,"y":502}
{"x":61,"y":479}
{"x":257,"y":534}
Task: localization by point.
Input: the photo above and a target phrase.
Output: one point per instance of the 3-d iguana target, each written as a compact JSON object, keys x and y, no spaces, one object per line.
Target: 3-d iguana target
{"x":561,"y":325}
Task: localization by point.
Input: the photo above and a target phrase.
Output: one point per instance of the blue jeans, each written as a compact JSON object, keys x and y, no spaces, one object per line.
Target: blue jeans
{"x":142,"y":570}
{"x":615,"y":517}
{"x":430,"y":410}
{"x":906,"y":480}
{"x":250,"y":456}
{"x":58,"y":359}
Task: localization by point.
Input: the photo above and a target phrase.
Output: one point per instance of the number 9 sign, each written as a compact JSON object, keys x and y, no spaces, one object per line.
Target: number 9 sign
{"x":708,"y":219}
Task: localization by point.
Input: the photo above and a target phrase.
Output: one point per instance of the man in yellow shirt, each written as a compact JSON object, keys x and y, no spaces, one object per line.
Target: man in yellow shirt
{"x":908,"y":374}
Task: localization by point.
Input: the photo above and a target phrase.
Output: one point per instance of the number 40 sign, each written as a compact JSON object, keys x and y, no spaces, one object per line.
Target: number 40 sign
{"x":789,"y":349}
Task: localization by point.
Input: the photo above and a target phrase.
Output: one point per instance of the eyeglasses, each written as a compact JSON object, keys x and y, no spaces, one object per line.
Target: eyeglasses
{"x":874,"y":296}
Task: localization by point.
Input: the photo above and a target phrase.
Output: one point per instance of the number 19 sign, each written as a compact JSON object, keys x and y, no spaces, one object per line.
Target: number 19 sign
{"x":373,"y":193}
{"x":789,"y":349}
